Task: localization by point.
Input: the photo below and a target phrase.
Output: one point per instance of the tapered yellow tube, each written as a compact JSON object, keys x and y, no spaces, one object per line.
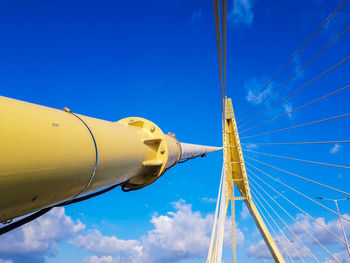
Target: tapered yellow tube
{"x":48,"y":156}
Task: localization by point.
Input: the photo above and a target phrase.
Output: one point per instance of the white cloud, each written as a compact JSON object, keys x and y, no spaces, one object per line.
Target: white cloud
{"x":39,"y":238}
{"x":208,"y":200}
{"x":288,"y":108}
{"x":297,"y":66}
{"x":228,"y":233}
{"x":259,"y":250}
{"x":177,"y":235}
{"x":343,"y":257}
{"x":196,"y":15}
{"x":245,"y":212}
{"x":95,"y":259}
{"x":291,"y":247}
{"x":242,"y":12}
{"x":288,"y":248}
{"x":251,"y":146}
{"x":317,"y":231}
{"x":180,"y":234}
{"x":95,"y":242}
{"x":335,"y":148}
{"x":239,"y":237}
{"x":254,"y":86}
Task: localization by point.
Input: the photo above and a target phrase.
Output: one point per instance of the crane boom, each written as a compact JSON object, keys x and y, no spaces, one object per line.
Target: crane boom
{"x":50,"y":156}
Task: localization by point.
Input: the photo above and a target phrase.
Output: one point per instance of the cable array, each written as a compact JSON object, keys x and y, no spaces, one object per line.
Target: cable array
{"x":301,"y":226}
{"x":299,"y":50}
{"x":221,"y":45}
{"x":300,"y":160}
{"x":296,"y":241}
{"x":296,"y":109}
{"x":298,"y":90}
{"x":296,"y":206}
{"x":298,"y":176}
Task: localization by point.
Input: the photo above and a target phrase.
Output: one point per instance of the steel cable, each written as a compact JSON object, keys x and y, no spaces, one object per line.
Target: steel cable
{"x":288,"y":143}
{"x":301,"y":210}
{"x":298,"y":126}
{"x":274,"y":232}
{"x":291,"y":59}
{"x":296,"y":191}
{"x":219,"y":50}
{"x":301,"y":177}
{"x":224,"y":26}
{"x":298,"y":90}
{"x":300,"y":49}
{"x":300,"y":160}
{"x":293,"y":233}
{"x":307,"y":232}
{"x":301,"y":107}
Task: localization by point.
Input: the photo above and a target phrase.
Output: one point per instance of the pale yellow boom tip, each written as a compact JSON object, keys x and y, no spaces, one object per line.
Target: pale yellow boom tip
{"x":193,"y":150}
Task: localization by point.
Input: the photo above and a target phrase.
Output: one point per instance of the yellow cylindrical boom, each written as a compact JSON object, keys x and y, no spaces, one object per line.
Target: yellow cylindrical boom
{"x":49,"y":156}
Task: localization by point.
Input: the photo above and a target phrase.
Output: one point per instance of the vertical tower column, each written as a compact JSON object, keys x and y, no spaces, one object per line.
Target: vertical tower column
{"x":236,"y":175}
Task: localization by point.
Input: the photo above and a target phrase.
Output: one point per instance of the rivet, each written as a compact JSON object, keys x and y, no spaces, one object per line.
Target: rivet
{"x":162,"y":151}
{"x":8,"y":221}
{"x":67,"y":109}
{"x":153,"y":129}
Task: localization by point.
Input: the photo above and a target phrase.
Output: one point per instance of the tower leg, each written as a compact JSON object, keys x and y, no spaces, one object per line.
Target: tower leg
{"x":233,"y":227}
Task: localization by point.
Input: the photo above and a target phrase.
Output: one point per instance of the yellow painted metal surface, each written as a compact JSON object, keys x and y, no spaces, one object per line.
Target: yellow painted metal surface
{"x":48,"y":156}
{"x":237,"y":175}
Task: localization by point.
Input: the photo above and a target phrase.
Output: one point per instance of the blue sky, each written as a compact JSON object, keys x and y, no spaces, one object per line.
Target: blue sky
{"x":158,"y":60}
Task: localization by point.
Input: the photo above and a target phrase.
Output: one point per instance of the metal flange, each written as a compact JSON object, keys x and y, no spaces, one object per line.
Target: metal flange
{"x":155,"y":165}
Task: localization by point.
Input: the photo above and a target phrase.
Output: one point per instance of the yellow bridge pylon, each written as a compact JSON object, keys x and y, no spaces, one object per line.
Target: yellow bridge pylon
{"x":234,"y":173}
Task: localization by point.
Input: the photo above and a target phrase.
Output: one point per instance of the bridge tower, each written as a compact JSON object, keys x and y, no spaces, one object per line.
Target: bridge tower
{"x":234,"y":174}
